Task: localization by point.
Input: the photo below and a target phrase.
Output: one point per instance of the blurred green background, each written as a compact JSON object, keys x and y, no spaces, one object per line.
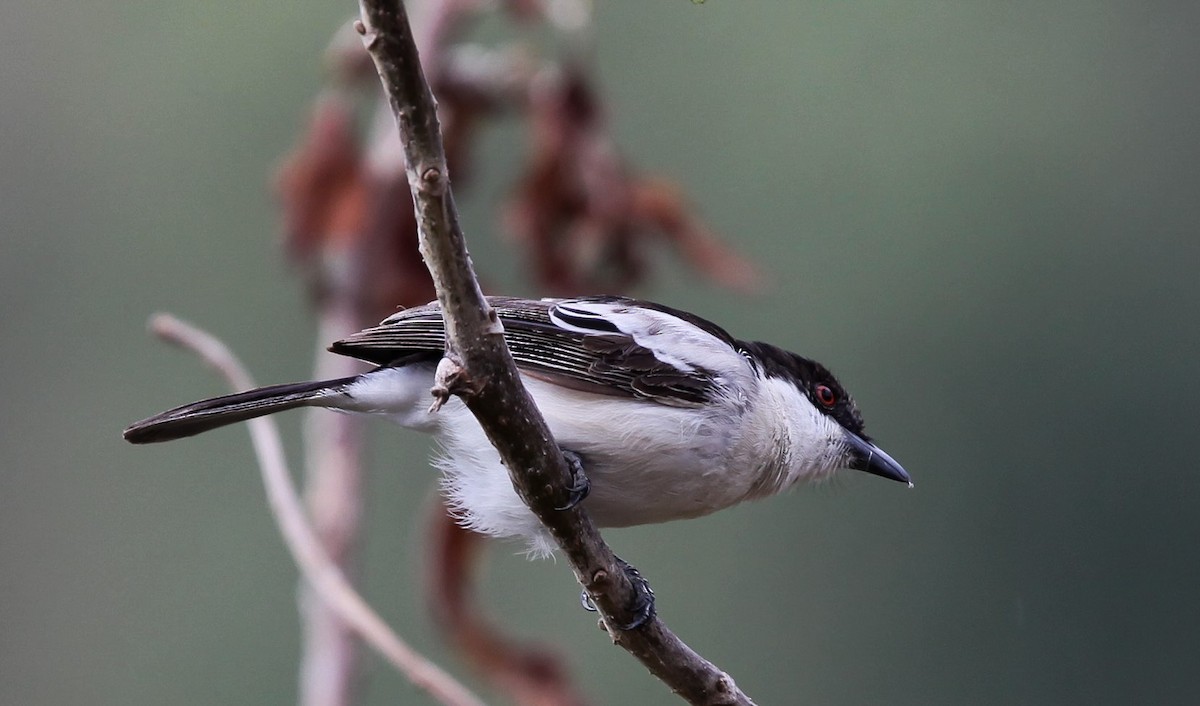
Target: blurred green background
{"x":982,"y":215}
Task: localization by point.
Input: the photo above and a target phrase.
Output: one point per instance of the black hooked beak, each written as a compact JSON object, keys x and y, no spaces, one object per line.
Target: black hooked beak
{"x":865,"y":456}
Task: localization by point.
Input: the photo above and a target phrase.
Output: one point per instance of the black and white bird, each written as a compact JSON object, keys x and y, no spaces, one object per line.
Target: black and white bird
{"x":669,"y":416}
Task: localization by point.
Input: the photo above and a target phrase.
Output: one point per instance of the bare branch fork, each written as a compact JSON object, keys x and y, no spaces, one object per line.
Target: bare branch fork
{"x":479,"y":368}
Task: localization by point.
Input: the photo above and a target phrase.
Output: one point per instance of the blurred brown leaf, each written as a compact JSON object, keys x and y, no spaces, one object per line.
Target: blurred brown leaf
{"x":584,"y":217}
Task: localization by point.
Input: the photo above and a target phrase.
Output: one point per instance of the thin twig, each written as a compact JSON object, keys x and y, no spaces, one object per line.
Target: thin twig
{"x":493,"y":393}
{"x":315,"y":564}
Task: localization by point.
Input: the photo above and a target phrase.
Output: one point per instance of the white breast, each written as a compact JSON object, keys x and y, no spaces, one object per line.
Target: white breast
{"x":646,"y":462}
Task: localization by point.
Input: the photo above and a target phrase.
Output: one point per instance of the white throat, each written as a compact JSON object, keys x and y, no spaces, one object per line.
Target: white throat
{"x":793,"y":439}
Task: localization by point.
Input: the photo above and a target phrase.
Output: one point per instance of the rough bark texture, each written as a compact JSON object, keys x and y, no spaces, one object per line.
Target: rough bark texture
{"x":482,"y":372}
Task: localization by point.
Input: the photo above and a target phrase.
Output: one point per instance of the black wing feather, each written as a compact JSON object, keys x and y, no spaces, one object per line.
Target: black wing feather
{"x":605,"y":362}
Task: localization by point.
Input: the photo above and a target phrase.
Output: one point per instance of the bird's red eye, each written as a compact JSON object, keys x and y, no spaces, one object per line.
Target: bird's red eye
{"x":826,"y":396}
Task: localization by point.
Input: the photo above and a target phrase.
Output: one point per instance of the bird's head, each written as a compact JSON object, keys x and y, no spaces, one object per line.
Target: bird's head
{"x":824,"y":426}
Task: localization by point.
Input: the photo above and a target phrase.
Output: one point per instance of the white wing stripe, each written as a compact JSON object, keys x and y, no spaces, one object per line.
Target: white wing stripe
{"x":671,"y":340}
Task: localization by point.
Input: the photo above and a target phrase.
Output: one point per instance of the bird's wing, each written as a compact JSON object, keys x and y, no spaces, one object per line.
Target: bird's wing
{"x":604,"y":345}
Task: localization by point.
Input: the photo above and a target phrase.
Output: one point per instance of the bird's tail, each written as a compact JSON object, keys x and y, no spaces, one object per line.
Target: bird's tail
{"x":197,"y":417}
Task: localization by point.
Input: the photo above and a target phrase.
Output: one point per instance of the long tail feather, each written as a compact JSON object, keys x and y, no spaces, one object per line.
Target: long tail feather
{"x":197,"y":417}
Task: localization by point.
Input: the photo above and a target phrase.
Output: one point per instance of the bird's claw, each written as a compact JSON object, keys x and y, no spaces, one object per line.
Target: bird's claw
{"x":580,"y":485}
{"x":643,"y":602}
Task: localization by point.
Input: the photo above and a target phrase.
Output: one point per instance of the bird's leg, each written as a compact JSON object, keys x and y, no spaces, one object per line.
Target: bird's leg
{"x":643,"y":602}
{"x":580,"y":485}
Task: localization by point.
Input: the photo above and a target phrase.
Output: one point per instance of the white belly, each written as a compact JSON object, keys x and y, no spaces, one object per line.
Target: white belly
{"x":646,"y":462}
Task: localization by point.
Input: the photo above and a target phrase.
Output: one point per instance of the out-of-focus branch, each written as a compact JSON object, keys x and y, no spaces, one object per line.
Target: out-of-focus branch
{"x":349,"y":226}
{"x":479,"y":368}
{"x":344,"y":232}
{"x":333,"y":492}
{"x":323,"y":192}
{"x":318,"y":568}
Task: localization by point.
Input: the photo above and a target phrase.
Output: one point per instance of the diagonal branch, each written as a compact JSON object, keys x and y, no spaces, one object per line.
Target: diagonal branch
{"x":318,"y":568}
{"x":482,"y":372}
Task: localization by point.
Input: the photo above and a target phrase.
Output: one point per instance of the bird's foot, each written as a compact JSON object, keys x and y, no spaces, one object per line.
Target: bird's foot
{"x":580,"y":485}
{"x":642,"y":606}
